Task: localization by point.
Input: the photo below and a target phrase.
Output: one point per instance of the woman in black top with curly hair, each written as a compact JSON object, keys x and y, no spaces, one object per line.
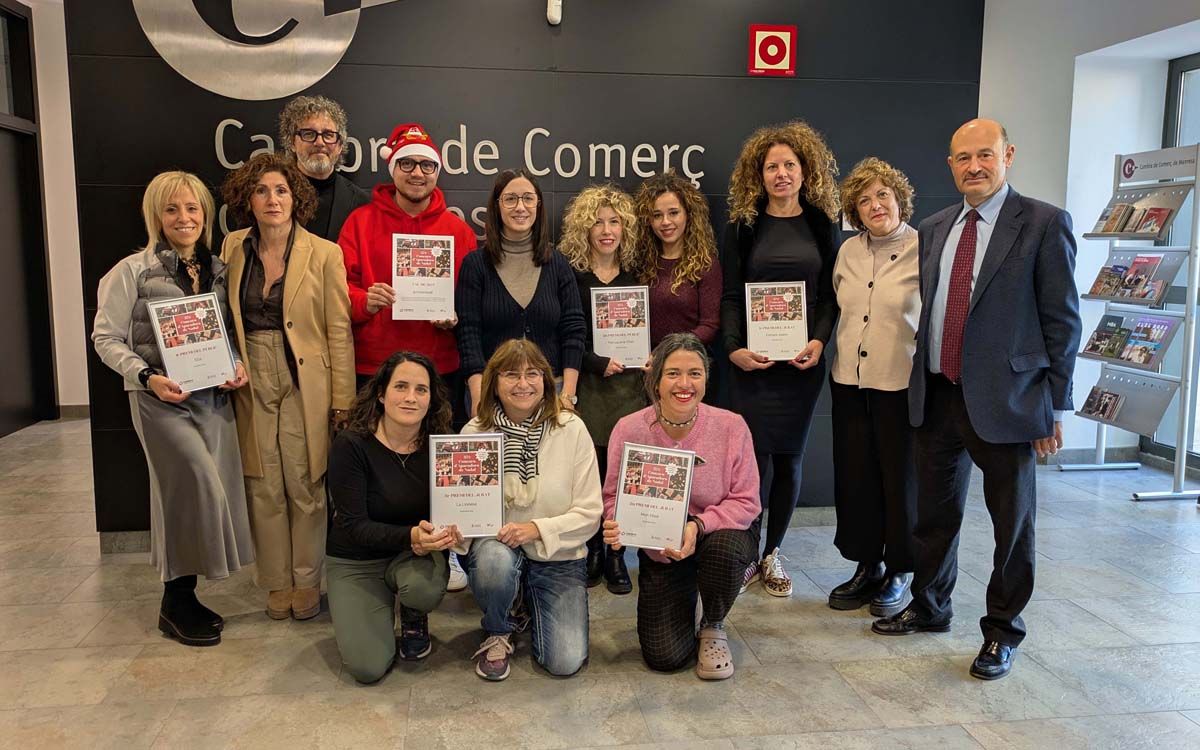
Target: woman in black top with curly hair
{"x":782,"y":204}
{"x":381,"y":545}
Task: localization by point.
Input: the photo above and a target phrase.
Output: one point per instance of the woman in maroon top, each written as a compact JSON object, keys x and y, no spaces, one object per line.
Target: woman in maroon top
{"x":679,"y":259}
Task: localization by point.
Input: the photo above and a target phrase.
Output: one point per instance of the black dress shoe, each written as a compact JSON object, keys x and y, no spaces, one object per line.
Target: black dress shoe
{"x":907,"y":622}
{"x":615,"y":573}
{"x":994,"y":661}
{"x":890,"y":597}
{"x":864,"y":584}
{"x":595,"y":564}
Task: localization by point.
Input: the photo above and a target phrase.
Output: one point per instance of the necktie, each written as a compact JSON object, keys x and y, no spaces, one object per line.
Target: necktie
{"x":958,"y":300}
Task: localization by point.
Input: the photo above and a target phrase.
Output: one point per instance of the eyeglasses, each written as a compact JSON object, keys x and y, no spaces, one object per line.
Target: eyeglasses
{"x":328,"y":137}
{"x":509,"y":200}
{"x":428,"y":166}
{"x":512,"y":376}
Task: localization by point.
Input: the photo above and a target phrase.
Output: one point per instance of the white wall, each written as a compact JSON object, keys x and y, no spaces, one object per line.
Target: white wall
{"x":62,"y":222}
{"x":1069,"y":116}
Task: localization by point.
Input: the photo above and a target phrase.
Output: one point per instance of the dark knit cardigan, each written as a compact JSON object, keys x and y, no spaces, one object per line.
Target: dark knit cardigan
{"x":821,"y":302}
{"x":488,"y":315}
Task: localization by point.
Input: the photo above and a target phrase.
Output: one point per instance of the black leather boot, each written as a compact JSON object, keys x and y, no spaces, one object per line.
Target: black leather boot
{"x":890,"y":598}
{"x":595,"y":560}
{"x":183,"y":618}
{"x":615,"y":573}
{"x":861,"y":588}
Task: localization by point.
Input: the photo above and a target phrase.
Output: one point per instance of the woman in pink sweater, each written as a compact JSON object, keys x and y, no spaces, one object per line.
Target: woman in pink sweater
{"x":724,"y":501}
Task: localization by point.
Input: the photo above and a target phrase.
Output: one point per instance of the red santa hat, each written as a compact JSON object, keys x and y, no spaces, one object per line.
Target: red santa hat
{"x":409,"y":140}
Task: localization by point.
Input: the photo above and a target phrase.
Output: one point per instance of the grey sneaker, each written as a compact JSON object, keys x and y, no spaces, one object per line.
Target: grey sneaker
{"x":491,"y":660}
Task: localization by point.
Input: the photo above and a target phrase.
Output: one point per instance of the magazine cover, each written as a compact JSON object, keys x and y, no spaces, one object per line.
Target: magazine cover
{"x":1134,"y":220}
{"x":1108,"y":281}
{"x":1154,"y":221}
{"x":1116,"y":220}
{"x":776,"y":320}
{"x":1145,"y":340}
{"x":1105,"y":330}
{"x":653,"y":491}
{"x":1102,"y":404}
{"x":621,"y":324}
{"x":1103,"y":220}
{"x":423,"y":277}
{"x":466,"y":486}
{"x":1115,"y":344}
{"x":1141,"y":270}
{"x":191,"y":336}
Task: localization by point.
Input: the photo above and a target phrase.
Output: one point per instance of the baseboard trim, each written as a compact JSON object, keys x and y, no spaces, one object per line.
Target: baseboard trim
{"x":112,"y":542}
{"x":1166,"y":464}
{"x":1068,"y":456}
{"x":74,"y":411}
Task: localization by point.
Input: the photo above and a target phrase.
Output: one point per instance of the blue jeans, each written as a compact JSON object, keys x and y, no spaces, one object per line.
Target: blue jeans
{"x":555,"y":594}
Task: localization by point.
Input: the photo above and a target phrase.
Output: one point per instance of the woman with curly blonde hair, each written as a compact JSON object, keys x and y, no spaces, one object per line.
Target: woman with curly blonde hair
{"x":783,"y":201}
{"x":876,"y":282}
{"x":600,"y":239}
{"x":679,"y":259}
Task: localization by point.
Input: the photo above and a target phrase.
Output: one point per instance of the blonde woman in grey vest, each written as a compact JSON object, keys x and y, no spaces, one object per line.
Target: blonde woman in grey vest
{"x":198,"y":519}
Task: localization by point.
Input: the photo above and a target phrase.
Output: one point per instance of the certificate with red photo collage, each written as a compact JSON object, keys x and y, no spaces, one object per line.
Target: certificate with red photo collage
{"x":466,"y":484}
{"x":423,"y":276}
{"x":776,"y":319}
{"x":653,"y":493}
{"x":191,"y":336}
{"x":621,"y":323}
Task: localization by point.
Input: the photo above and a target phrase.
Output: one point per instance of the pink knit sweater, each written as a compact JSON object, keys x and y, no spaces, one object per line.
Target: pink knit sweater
{"x":724,"y":487}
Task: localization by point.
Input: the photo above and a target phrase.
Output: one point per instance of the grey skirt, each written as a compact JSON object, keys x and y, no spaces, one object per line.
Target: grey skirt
{"x":198,"y":519}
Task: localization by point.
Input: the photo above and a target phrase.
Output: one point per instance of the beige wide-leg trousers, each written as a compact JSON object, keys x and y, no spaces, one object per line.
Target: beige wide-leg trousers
{"x":287,"y":510}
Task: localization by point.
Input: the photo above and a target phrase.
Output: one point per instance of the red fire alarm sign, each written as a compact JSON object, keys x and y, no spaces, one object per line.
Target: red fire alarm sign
{"x":772,"y":50}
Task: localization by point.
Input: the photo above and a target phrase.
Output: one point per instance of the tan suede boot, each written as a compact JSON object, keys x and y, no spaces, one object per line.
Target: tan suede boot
{"x":279,"y":604}
{"x":306,"y":603}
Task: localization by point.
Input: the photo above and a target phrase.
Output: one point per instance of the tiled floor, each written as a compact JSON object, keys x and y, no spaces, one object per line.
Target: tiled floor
{"x":1112,"y":659}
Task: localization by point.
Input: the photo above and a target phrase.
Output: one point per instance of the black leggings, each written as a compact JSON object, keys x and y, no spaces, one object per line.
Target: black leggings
{"x":779,"y":491}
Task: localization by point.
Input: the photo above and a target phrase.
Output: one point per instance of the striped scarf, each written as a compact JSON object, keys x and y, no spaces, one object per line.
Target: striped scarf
{"x":521,"y":443}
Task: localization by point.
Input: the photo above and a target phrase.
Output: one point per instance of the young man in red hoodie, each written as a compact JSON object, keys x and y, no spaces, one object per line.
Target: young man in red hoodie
{"x":410,"y":204}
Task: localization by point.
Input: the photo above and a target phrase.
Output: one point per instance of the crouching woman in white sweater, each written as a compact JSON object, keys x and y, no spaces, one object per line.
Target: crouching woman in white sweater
{"x":552,"y":507}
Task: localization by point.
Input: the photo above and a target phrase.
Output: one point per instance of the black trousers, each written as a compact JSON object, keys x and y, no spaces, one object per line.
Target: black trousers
{"x":946,"y":447}
{"x":666,"y":607}
{"x":874,"y":479}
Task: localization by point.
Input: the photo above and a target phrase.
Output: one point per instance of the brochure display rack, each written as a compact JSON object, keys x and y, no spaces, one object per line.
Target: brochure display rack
{"x":1134,"y":334}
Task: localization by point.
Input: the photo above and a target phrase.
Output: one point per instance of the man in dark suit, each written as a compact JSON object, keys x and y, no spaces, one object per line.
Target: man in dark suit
{"x":990,"y":382}
{"x":313,"y":130}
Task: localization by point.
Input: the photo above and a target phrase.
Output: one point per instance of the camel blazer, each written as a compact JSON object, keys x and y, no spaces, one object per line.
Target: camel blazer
{"x":316,"y":314}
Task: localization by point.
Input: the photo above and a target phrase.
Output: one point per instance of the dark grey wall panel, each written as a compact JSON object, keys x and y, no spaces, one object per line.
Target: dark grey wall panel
{"x":876,"y":77}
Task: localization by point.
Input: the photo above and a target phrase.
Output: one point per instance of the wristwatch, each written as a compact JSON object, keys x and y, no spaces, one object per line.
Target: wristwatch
{"x":144,"y":376}
{"x":572,"y":398}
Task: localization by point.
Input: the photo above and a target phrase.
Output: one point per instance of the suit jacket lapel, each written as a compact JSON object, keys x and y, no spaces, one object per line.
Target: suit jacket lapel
{"x":235,"y":266}
{"x":297,"y":266}
{"x":1004,"y":236}
{"x":933,"y":258}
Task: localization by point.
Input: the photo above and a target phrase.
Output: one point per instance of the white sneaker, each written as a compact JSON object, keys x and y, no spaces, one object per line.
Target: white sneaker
{"x":458,"y":576}
{"x":775,"y":579}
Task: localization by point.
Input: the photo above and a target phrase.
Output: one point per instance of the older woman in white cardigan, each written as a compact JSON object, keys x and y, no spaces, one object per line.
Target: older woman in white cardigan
{"x":877,"y":286}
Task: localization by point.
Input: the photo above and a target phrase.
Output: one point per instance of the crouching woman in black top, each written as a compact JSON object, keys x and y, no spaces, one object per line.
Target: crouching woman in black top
{"x":381,"y":545}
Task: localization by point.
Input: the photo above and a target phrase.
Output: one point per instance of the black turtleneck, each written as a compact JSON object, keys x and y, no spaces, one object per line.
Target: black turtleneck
{"x":320,"y":221}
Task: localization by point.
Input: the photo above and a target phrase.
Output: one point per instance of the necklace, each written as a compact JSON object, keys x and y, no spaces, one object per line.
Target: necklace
{"x":401,"y":458}
{"x":662,"y":417}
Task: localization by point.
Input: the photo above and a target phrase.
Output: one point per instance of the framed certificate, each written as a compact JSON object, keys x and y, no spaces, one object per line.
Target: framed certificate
{"x":776,"y":319}
{"x":191,"y":335}
{"x":465,"y":484}
{"x":652,"y":496}
{"x":621,"y":323}
{"x":423,"y":276}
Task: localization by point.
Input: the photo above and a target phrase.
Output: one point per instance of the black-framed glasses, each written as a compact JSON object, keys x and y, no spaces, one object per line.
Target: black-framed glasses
{"x":428,"y":166}
{"x":328,"y":137}
{"x":509,"y":200}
